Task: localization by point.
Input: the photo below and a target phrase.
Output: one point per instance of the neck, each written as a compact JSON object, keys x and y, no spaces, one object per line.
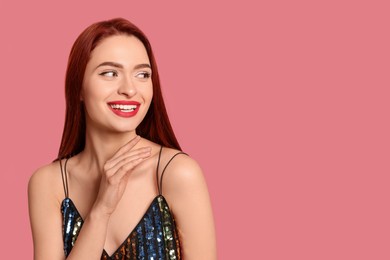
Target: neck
{"x":101,"y":146}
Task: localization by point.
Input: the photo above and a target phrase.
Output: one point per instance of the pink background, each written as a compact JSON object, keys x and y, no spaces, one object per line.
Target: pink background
{"x":285,"y":104}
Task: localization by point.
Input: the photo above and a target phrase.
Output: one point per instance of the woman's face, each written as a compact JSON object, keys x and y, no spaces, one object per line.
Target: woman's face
{"x":117,"y":87}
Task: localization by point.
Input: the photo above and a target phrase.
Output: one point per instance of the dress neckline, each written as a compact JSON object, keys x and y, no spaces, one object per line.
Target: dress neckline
{"x":154,"y":201}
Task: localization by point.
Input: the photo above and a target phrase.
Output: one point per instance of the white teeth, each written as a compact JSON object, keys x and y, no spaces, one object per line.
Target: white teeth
{"x":124,"y":108}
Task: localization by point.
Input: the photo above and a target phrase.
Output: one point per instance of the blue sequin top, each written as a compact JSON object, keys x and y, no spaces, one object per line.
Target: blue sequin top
{"x":155,"y":237}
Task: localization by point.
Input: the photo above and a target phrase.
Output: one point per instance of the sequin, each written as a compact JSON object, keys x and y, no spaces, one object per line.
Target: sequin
{"x":154,"y":238}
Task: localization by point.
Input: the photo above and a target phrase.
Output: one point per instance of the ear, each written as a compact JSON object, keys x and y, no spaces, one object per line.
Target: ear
{"x":81,"y":96}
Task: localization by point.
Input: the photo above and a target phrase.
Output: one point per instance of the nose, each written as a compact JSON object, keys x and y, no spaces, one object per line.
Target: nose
{"x":127,"y":87}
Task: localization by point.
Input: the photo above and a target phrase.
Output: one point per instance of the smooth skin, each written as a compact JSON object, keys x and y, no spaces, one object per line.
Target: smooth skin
{"x":112,"y":181}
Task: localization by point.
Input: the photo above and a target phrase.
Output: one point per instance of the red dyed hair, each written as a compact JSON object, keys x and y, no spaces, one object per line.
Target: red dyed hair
{"x":154,"y":127}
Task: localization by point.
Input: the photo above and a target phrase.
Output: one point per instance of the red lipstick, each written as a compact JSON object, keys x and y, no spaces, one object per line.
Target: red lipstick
{"x":124,"y":108}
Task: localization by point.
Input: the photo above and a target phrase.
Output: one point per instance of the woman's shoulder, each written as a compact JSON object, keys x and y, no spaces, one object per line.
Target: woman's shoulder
{"x":180,"y":161}
{"x":46,"y":181}
{"x":182,"y":172}
{"x":178,"y":169}
{"x":186,"y":191}
{"x":45,"y":173}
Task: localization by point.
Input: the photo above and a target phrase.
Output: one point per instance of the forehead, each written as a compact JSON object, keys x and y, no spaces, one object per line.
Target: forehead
{"x":124,"y":49}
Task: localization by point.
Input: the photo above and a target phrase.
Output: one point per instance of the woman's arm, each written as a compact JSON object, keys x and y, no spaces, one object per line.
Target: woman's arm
{"x":186,"y":191}
{"x":45,"y":214}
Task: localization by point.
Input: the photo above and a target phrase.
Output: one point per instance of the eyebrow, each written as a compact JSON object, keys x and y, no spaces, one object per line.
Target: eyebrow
{"x":120,"y":66}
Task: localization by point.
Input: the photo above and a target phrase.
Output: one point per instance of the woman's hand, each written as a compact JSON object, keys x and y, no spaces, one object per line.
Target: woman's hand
{"x":116,"y":172}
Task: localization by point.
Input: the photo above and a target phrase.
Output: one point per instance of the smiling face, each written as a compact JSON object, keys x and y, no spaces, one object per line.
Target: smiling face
{"x":117,"y":87}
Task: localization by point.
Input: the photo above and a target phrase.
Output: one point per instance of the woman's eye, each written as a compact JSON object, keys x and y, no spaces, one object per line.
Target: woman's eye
{"x":109,"y":74}
{"x":143,"y":75}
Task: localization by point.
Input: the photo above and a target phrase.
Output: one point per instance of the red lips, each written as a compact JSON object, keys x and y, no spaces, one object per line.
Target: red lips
{"x":122,"y":111}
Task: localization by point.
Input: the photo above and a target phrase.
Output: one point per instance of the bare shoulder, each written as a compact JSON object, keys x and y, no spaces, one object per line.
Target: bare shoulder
{"x":186,"y":191}
{"x":180,"y":164}
{"x":182,"y":175}
{"x":46,"y":181}
{"x":45,"y":193}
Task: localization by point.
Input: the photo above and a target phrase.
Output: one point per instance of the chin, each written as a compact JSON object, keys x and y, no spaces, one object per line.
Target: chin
{"x":124,"y":129}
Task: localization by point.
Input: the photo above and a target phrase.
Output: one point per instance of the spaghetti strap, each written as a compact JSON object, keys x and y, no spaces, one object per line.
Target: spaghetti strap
{"x":158,"y":165}
{"x":159,"y":183}
{"x":64,"y":177}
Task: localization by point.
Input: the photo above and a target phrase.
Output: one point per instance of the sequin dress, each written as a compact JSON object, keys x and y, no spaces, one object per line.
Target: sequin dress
{"x":155,"y":236}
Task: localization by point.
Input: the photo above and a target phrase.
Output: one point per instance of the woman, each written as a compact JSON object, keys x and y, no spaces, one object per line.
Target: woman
{"x":105,"y":197}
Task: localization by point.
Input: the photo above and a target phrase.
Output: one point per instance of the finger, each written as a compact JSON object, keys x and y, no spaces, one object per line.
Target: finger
{"x":127,"y":147}
{"x":110,"y":168}
{"x":125,"y":158}
{"x":127,"y":167}
{"x":132,"y":157}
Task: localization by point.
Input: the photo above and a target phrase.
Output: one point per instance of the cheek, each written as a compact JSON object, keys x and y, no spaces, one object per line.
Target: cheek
{"x":145,"y":93}
{"x":91,"y":95}
{"x":150,"y":97}
{"x":96,"y":90}
{"x":148,"y":94}
{"x":91,"y":108}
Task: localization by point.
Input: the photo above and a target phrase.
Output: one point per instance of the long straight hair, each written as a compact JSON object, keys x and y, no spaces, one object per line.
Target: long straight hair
{"x":154,"y":127}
